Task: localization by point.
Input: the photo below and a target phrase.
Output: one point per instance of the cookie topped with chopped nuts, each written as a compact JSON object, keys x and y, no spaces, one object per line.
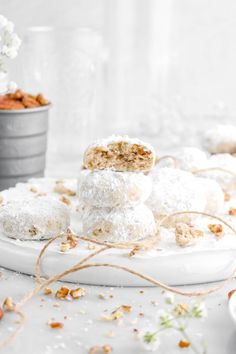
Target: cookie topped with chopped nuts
{"x":119,"y":153}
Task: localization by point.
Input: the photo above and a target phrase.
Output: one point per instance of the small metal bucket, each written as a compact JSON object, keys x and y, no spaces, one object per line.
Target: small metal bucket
{"x":23,"y":144}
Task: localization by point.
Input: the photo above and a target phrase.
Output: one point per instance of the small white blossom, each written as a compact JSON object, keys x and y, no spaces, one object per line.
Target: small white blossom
{"x":169,"y":297}
{"x":9,"y":27}
{"x":9,"y":45}
{"x":3,"y":21}
{"x":165,"y":319}
{"x":150,"y":340}
{"x":199,"y":310}
{"x":15,"y":41}
{"x":11,"y":53}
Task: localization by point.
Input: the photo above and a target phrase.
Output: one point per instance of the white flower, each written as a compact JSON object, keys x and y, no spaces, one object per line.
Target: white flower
{"x":12,"y":86}
{"x":11,"y":40}
{"x":15,"y":41}
{"x":169,"y":297}
{"x":9,"y":27}
{"x":199,"y":310}
{"x":9,"y":52}
{"x":150,"y":340}
{"x":3,"y":21}
{"x":165,"y":319}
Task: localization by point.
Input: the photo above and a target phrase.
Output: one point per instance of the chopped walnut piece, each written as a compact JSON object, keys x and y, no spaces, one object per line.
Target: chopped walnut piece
{"x":91,"y":247}
{"x":47,"y":291}
{"x":64,"y":246}
{"x":227,"y":197}
{"x":62,"y":292}
{"x":8,"y":304}
{"x":125,"y":308}
{"x":117,"y":313}
{"x":180,"y":309}
{"x":56,"y":304}
{"x":33,"y":189}
{"x":56,"y":325}
{"x":72,"y":241}
{"x":61,"y":189}
{"x":184,"y":343}
{"x":65,"y":200}
{"x":105,"y":349}
{"x":232,"y":211}
{"x":33,"y":231}
{"x":110,"y":334}
{"x":231,"y":292}
{"x":186,"y":234}
{"x":1,"y":313}
{"x":216,"y":229}
{"x":134,"y":251}
{"x":115,"y":316}
{"x":77,"y":293}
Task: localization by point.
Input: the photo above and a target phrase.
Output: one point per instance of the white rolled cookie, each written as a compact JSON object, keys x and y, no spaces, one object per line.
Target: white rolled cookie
{"x":220,"y":139}
{"x":119,"y":153}
{"x":214,"y":195}
{"x":190,"y":158}
{"x":34,"y":218}
{"x":111,"y":189}
{"x":227,"y":162}
{"x":173,"y":191}
{"x":118,"y":225}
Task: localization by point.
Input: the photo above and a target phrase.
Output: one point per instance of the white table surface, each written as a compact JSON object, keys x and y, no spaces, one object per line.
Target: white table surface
{"x":84,"y":328}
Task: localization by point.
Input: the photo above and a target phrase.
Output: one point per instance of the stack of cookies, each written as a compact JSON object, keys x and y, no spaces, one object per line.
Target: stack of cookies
{"x":113,"y":188}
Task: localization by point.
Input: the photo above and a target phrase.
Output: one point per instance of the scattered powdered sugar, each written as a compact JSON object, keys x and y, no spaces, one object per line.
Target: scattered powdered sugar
{"x":107,"y":188}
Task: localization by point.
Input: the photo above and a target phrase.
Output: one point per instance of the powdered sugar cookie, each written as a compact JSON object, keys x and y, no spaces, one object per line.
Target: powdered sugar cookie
{"x":190,"y":158}
{"x":107,"y":188}
{"x":173,"y":191}
{"x":34,"y":218}
{"x":119,"y":224}
{"x":220,"y":139}
{"x":227,"y":162}
{"x":214,"y":195}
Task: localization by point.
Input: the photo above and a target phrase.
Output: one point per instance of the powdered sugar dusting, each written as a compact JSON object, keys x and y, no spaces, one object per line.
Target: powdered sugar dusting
{"x":34,"y":218}
{"x":107,"y":188}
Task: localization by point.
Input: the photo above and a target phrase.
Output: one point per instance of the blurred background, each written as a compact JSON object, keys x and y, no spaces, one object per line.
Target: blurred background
{"x":162,"y":70}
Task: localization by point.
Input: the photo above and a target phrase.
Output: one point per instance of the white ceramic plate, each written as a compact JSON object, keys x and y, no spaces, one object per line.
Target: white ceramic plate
{"x":232,"y":307}
{"x":209,"y":260}
{"x":174,"y":269}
